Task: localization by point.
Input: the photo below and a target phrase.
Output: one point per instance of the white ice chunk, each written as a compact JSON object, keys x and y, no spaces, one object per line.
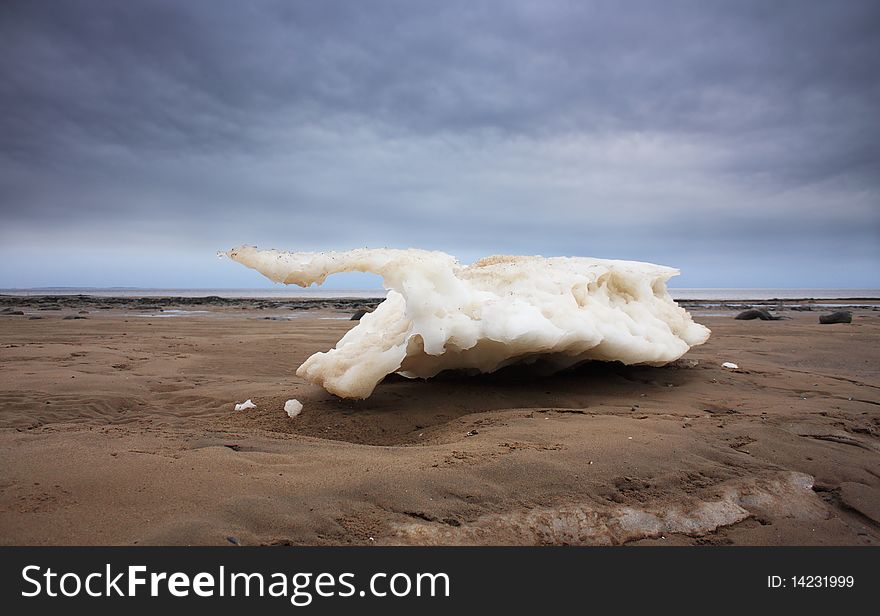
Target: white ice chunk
{"x":293,"y":408}
{"x":247,"y":404}
{"x":730,"y":365}
{"x":438,"y":314}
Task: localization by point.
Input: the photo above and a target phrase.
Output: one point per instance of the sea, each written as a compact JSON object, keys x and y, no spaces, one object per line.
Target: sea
{"x":720,"y":294}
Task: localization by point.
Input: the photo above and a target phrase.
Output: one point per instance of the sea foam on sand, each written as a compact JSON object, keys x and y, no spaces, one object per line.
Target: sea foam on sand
{"x":440,"y":315}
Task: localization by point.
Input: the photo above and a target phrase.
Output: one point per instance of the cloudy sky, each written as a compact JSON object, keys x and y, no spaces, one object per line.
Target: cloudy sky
{"x":738,"y":141}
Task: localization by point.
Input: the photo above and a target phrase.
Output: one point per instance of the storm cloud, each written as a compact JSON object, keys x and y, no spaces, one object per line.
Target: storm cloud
{"x":737,"y":141}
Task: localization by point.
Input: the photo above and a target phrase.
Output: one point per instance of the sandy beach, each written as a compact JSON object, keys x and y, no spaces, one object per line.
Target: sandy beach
{"x":118,"y":427}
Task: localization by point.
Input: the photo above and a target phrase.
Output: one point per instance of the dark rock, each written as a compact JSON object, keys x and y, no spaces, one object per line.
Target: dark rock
{"x":12,"y":313}
{"x":358,"y":315}
{"x":841,"y":316}
{"x":71,"y":317}
{"x":233,"y":540}
{"x":34,"y":318}
{"x":756,"y":313}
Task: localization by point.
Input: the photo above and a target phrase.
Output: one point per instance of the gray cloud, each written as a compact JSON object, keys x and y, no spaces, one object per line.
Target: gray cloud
{"x":738,"y":141}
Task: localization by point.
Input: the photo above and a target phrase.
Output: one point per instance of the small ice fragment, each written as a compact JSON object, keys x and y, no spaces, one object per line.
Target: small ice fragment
{"x":247,"y":404}
{"x":293,"y":408}
{"x":730,"y":365}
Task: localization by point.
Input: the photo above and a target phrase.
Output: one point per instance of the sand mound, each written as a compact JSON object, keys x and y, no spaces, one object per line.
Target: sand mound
{"x":786,"y":494}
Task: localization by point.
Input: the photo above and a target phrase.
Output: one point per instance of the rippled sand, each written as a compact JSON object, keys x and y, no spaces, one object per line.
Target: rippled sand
{"x":119,"y":429}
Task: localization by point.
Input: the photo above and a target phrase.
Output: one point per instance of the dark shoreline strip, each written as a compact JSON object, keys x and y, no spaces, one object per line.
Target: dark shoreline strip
{"x":60,"y":302}
{"x":99,"y":302}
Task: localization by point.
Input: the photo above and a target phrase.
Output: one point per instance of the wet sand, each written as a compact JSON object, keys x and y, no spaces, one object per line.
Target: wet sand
{"x":118,"y":428}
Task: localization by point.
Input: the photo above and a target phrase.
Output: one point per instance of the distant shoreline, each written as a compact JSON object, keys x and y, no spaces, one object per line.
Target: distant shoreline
{"x":62,"y":301}
{"x":99,"y":302}
{"x":716,"y":294}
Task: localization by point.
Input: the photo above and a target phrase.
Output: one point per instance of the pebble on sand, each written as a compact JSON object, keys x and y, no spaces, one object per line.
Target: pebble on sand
{"x":247,"y":404}
{"x":730,"y":365}
{"x":293,"y":408}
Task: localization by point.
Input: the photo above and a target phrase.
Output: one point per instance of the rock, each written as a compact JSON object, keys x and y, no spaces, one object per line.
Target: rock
{"x":681,"y":364}
{"x":756,"y":313}
{"x":71,"y":317}
{"x":34,"y":318}
{"x":730,"y":365}
{"x":841,"y":316}
{"x":12,"y":313}
{"x":358,"y":315}
{"x":233,"y":540}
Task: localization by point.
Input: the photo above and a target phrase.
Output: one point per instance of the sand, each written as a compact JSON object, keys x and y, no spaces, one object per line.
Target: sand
{"x":119,"y":429}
